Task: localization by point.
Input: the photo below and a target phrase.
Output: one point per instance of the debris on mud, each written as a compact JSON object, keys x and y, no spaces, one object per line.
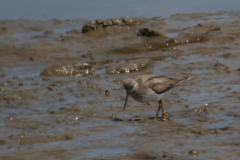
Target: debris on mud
{"x":132,"y":66}
{"x":114,"y":22}
{"x":193,"y":153}
{"x":72,"y":70}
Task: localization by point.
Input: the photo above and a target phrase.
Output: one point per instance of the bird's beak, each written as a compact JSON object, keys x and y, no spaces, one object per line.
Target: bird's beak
{"x":127,"y":95}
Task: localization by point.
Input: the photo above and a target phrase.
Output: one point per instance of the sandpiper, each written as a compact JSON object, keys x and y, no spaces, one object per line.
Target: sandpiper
{"x":148,"y":88}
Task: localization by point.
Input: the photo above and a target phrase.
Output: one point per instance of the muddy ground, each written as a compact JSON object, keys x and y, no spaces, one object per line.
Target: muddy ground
{"x":79,"y":116}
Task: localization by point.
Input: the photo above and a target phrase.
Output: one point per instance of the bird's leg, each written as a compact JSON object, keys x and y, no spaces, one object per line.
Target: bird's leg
{"x":164,"y":114}
{"x":159,"y":107}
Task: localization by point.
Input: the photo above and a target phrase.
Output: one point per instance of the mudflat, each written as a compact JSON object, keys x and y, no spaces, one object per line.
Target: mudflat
{"x":61,"y":94}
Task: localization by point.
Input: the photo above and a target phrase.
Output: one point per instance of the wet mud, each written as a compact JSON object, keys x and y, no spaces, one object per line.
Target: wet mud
{"x":53,"y":106}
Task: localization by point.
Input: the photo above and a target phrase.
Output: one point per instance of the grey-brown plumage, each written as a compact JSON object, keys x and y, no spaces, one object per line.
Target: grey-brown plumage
{"x":161,"y":84}
{"x":148,"y":88}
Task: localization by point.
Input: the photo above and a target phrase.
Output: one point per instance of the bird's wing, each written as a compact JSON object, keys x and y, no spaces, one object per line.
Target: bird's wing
{"x":161,"y":84}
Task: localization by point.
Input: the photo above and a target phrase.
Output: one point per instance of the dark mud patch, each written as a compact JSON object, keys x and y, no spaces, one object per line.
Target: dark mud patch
{"x":149,"y":32}
{"x":143,"y":156}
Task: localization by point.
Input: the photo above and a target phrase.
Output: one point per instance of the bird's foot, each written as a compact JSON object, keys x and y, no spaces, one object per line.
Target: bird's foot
{"x":164,"y":115}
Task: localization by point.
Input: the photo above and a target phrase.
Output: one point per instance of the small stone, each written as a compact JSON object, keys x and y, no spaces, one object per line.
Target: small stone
{"x":80,"y":82}
{"x":50,"y":89}
{"x":9,"y":102}
{"x":51,"y":112}
{"x":205,"y":110}
{"x":225,"y":128}
{"x":21,"y":84}
{"x":3,"y":75}
{"x":68,"y":137}
{"x":193,"y":152}
{"x":15,"y":77}
{"x":32,"y":59}
{"x":107,"y":93}
{"x":164,"y":156}
{"x":216,"y":131}
{"x":117,"y":120}
{"x":48,"y":32}
{"x":62,"y":99}
{"x":3,"y":29}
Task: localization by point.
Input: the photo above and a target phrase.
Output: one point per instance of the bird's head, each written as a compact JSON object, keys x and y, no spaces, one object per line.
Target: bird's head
{"x":130,"y":86}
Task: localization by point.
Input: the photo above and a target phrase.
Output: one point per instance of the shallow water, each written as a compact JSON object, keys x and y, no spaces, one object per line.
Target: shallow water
{"x":64,"y":117}
{"x":92,"y":9}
